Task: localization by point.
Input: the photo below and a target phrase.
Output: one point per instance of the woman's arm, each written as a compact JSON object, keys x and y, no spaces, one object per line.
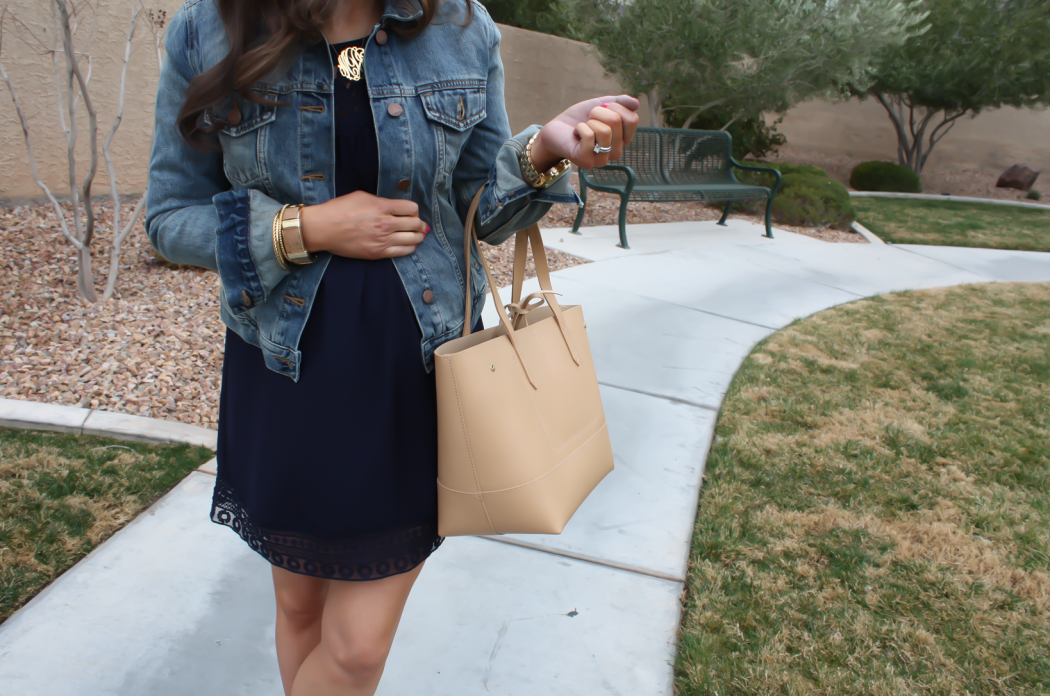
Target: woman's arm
{"x":192,"y":214}
{"x":491,"y":154}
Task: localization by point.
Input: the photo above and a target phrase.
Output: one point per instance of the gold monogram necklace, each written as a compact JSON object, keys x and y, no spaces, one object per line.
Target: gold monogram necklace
{"x":350,"y":60}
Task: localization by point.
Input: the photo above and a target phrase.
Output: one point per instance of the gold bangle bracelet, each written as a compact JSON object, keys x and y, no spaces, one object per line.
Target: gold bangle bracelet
{"x":280,"y":238}
{"x":278,"y":243}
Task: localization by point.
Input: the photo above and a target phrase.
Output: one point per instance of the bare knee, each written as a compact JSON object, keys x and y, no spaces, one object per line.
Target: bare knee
{"x":361,"y":659}
{"x":300,"y":598}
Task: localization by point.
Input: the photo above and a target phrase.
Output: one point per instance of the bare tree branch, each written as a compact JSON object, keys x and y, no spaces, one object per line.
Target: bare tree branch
{"x":29,"y":147}
{"x":119,"y":234}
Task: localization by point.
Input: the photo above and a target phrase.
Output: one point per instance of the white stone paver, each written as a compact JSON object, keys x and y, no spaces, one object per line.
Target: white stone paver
{"x":106,"y":423}
{"x":209,"y":467}
{"x":15,"y":413}
{"x":1001,"y":264}
{"x":175,"y":604}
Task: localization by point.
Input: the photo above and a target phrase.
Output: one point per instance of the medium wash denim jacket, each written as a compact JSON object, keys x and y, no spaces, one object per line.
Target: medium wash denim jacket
{"x":442,"y":128}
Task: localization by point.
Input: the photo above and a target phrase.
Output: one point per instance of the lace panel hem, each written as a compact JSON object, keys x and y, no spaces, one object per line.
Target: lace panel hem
{"x":368,"y":557}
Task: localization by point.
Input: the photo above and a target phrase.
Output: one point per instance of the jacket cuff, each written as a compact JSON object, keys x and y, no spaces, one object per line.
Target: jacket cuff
{"x":244,"y":253}
{"x":508,"y":184}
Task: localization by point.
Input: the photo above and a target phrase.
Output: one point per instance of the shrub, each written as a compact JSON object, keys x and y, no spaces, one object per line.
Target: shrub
{"x":1033,"y":195}
{"x":884,"y":176}
{"x":808,"y":197}
{"x":763,"y":179}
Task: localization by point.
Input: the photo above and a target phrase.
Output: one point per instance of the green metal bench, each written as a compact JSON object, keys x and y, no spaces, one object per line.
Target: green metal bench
{"x":674,"y":164}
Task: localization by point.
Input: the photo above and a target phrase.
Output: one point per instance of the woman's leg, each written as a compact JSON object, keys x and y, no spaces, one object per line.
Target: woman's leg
{"x":300,"y":603}
{"x":357,"y":629}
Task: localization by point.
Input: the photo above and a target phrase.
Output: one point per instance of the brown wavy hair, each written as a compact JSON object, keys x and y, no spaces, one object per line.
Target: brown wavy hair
{"x":263,"y":34}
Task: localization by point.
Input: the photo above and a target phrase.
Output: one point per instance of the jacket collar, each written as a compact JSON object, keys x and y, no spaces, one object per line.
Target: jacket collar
{"x":402,"y":10}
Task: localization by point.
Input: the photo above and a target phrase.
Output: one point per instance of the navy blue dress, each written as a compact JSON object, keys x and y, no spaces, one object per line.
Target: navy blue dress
{"x":334,"y":476}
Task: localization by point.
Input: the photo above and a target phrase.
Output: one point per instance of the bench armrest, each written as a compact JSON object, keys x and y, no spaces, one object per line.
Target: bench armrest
{"x":775,"y":172}
{"x":631,"y":178}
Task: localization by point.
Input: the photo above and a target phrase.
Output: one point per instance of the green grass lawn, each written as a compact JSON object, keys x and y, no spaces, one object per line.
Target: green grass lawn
{"x":62,"y":495}
{"x":950,"y":223}
{"x":875,"y":517}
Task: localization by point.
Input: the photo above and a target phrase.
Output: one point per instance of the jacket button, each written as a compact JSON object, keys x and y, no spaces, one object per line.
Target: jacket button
{"x":428,"y":296}
{"x":394,"y":109}
{"x":380,"y":37}
{"x":403,"y":184}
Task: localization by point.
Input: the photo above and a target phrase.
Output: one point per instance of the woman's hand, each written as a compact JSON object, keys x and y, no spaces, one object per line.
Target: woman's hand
{"x":609,"y":121}
{"x":361,"y":225}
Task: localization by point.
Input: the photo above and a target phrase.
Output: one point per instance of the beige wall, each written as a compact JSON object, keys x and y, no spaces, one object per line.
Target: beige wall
{"x":993,"y":141}
{"x":31,"y":70}
{"x":544,"y":75}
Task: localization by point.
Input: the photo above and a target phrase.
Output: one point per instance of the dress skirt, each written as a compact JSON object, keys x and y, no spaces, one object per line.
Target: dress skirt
{"x":334,"y":476}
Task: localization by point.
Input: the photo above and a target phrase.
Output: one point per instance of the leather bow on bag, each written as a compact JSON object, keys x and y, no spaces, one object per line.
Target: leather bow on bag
{"x":522,"y":438}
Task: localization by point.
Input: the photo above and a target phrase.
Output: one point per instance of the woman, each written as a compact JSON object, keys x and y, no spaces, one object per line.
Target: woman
{"x":382,"y":118}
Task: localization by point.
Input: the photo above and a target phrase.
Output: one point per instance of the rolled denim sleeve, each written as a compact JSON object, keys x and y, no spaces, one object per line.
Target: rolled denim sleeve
{"x":193,"y":216}
{"x":509,"y":203}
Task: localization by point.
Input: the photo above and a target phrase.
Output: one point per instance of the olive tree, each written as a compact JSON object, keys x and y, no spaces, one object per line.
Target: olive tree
{"x":743,"y":57}
{"x":972,"y":55}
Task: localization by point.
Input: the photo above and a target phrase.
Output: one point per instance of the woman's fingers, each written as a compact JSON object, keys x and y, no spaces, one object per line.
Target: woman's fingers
{"x":405,"y":234}
{"x":613,"y":122}
{"x":628,"y":121}
{"x":586,"y":143}
{"x":591,"y":132}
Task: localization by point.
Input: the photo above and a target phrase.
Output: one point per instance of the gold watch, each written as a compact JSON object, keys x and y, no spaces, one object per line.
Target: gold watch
{"x":528,"y":170}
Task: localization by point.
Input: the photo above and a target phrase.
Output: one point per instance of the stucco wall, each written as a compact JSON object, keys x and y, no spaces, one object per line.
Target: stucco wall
{"x":29,"y":65}
{"x":544,"y":75}
{"x":991,"y":142}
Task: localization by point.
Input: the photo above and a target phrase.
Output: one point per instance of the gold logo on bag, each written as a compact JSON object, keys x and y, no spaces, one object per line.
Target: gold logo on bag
{"x":350,"y":60}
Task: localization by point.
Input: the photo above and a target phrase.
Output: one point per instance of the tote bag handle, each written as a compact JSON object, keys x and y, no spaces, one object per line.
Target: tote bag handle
{"x":522,"y":240}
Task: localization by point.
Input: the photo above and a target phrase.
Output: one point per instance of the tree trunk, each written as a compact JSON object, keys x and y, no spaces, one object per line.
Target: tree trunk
{"x":85,"y":277}
{"x":656,"y":115}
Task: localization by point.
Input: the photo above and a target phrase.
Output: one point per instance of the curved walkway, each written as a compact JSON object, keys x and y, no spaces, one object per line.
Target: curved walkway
{"x":174,"y":604}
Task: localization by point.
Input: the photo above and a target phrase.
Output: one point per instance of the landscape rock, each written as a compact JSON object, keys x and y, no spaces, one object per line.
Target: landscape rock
{"x":1018,"y":177}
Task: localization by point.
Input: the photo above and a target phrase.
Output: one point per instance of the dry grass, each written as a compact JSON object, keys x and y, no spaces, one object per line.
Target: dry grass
{"x":876,"y":512}
{"x":62,"y":495}
{"x":951,"y":223}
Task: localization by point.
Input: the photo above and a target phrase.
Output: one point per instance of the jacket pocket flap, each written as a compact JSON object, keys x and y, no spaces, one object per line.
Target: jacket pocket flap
{"x":250,"y":117}
{"x":456,"y":108}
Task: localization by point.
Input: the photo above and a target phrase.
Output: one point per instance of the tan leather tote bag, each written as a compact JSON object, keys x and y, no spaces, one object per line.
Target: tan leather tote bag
{"x":522,"y":438}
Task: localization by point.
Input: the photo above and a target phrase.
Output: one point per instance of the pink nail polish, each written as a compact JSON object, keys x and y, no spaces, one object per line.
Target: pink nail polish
{"x":605,"y":105}
{"x":428,"y":229}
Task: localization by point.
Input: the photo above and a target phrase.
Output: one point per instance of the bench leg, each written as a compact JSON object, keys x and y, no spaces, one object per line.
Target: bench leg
{"x":769,"y":217}
{"x":623,"y":222}
{"x":582,"y":209}
{"x":725,"y":213}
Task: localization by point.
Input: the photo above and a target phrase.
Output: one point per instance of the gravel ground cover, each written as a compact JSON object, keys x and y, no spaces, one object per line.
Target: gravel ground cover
{"x":154,"y":350}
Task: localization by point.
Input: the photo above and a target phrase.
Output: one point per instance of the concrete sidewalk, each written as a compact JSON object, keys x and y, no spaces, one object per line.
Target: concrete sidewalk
{"x":174,"y":604}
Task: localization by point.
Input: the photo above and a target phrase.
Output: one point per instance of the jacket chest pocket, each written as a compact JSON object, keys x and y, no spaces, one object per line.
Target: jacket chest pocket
{"x":244,"y":143}
{"x":453,"y":111}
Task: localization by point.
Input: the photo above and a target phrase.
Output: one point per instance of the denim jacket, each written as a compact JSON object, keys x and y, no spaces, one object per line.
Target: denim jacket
{"x":442,"y":129}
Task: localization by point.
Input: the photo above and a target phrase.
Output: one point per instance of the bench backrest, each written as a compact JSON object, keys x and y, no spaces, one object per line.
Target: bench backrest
{"x":673,"y":156}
